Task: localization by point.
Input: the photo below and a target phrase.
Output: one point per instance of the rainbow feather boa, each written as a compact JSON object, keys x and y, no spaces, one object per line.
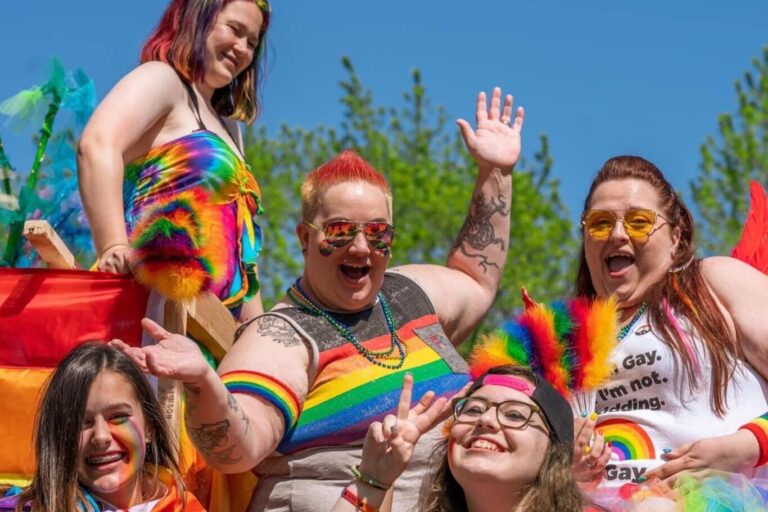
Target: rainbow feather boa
{"x":566,"y":343}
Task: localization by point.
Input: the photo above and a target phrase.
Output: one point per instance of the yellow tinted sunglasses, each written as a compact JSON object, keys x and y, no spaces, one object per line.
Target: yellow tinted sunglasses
{"x":638,"y":223}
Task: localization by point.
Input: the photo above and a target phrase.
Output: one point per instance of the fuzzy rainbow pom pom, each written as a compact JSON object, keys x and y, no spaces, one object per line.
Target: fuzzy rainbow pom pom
{"x":566,"y":343}
{"x":177,"y":245}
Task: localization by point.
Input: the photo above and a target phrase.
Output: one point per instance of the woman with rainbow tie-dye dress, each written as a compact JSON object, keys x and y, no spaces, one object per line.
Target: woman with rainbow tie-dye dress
{"x":689,"y":365}
{"x":163,"y":178}
{"x":295,"y":395}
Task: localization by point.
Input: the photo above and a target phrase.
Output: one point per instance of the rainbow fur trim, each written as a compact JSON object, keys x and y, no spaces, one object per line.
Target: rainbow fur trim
{"x":177,"y":244}
{"x":566,"y":343}
{"x":268,"y":388}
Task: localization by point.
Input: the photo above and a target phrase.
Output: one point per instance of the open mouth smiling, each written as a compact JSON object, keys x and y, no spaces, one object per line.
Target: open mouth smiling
{"x":355,"y":271}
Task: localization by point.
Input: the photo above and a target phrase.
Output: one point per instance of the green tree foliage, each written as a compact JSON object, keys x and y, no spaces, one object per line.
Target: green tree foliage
{"x":432,"y":176}
{"x":729,"y":161}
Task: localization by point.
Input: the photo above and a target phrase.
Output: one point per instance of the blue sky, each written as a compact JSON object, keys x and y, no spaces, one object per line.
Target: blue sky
{"x":599,"y":77}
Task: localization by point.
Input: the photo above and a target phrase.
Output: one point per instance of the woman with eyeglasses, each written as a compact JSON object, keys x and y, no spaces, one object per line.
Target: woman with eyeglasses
{"x":507,"y":446}
{"x":295,"y":395}
{"x":691,"y":358}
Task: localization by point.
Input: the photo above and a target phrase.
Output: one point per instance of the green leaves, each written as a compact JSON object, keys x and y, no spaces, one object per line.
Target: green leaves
{"x":432,"y":177}
{"x":730,"y":160}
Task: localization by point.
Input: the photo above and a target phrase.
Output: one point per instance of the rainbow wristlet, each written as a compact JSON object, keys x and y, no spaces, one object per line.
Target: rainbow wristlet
{"x":268,"y":388}
{"x":759,"y":427}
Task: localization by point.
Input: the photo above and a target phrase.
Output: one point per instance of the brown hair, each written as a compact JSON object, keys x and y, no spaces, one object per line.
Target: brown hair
{"x":554,"y":488}
{"x":683,"y":288}
{"x":59,"y":422}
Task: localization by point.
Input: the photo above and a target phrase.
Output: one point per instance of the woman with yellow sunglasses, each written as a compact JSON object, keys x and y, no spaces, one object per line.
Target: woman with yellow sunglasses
{"x":691,"y":360}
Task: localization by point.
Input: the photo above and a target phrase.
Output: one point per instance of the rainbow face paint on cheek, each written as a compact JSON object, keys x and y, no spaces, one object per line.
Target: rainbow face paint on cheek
{"x":130,"y":436}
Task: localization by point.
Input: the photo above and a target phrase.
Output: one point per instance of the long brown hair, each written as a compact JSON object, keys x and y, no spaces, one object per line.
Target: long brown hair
{"x":683,"y":288}
{"x":59,"y":422}
{"x":553,"y":489}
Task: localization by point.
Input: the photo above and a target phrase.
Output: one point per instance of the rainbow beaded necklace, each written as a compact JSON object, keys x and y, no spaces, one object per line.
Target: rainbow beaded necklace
{"x":625,"y":330}
{"x":299,"y":297}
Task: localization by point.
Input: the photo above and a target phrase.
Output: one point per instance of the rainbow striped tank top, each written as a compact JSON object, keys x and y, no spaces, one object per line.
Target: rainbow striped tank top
{"x":189,"y":207}
{"x":349,"y":392}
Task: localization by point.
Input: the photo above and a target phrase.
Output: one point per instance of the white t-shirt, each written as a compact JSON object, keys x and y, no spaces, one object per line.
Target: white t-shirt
{"x":648,"y":406}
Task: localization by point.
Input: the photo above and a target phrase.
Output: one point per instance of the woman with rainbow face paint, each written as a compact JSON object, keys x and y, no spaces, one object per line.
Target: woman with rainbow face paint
{"x":161,"y":167}
{"x":690,"y":361}
{"x":101,"y":442}
{"x":508,"y":446}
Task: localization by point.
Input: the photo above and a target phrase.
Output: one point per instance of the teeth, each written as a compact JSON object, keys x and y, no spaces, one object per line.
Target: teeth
{"x":104,"y":459}
{"x":484,"y":445}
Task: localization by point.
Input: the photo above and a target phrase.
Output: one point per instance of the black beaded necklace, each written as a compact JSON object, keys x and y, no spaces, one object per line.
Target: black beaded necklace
{"x":299,"y":297}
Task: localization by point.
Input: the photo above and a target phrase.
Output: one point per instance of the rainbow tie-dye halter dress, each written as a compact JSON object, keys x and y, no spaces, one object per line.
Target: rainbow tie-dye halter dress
{"x":189,"y":207}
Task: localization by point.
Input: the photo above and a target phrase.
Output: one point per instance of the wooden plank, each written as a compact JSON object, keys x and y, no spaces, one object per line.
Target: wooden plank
{"x":211,"y":323}
{"x":52,"y":249}
{"x":168,"y":390}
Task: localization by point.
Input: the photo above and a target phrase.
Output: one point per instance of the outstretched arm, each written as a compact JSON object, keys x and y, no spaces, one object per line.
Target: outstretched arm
{"x":465,"y":288}
{"x":238,"y":425}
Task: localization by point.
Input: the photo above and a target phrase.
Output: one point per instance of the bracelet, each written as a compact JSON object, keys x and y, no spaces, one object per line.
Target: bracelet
{"x":367,"y":479}
{"x":759,"y":427}
{"x":360,"y":504}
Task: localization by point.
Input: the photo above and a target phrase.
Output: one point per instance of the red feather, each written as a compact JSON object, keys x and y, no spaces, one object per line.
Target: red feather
{"x":753,"y":245}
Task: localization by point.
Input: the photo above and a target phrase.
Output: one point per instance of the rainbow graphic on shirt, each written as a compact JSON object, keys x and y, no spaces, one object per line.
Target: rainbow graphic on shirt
{"x":350,"y":392}
{"x":628,"y":440}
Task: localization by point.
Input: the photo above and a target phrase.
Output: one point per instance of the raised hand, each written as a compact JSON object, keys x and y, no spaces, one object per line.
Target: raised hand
{"x":389,"y":444}
{"x":495,"y":143}
{"x":590,"y":453}
{"x":173,"y":357}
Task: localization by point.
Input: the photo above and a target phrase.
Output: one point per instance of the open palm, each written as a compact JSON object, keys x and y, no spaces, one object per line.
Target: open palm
{"x":495,"y":142}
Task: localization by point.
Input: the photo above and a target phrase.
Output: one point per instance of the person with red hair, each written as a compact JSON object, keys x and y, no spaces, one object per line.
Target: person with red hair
{"x":161,"y":168}
{"x":294,"y":397}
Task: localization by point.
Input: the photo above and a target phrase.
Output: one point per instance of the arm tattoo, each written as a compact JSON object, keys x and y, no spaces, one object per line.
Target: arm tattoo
{"x":278,"y":330}
{"x":478,"y":233}
{"x":232,"y":404}
{"x":211,"y":439}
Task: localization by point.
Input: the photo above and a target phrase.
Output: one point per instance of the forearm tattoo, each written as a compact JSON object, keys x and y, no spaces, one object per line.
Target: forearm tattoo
{"x":211,"y":439}
{"x":478,"y":232}
{"x":235,"y":407}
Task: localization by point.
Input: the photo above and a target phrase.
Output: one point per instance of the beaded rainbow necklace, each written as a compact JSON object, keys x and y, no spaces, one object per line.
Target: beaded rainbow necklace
{"x":625,"y":330}
{"x":299,"y":297}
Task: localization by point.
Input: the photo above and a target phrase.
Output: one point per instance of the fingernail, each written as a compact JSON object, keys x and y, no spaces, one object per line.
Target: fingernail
{"x":587,"y":450}
{"x":593,"y":416}
{"x":641,"y":479}
{"x":666,"y":450}
{"x":583,"y":414}
{"x":610,"y":444}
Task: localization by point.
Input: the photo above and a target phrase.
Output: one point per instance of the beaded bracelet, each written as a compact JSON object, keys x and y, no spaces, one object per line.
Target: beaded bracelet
{"x":360,"y":504}
{"x":759,"y":427}
{"x":367,"y":479}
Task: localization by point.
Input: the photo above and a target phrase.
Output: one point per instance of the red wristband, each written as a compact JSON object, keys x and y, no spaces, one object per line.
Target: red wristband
{"x":360,"y":504}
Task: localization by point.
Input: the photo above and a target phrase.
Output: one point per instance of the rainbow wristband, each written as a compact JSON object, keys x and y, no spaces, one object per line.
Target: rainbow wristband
{"x":759,"y":427}
{"x":360,"y":504}
{"x":269,"y":388}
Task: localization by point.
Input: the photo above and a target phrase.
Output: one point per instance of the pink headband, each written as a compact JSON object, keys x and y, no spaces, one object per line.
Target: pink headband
{"x":510,"y":381}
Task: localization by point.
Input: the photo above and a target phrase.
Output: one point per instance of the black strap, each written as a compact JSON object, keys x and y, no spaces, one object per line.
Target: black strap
{"x":196,"y":109}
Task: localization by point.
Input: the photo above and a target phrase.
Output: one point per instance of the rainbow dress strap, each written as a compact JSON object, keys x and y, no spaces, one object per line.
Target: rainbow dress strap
{"x":189,"y":207}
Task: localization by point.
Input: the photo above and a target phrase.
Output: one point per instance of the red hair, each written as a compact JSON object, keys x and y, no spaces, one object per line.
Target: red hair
{"x":347,"y":167}
{"x":179,"y":41}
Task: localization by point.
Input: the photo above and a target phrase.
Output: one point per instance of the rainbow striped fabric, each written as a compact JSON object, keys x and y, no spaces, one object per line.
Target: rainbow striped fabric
{"x":267,"y":387}
{"x":189,"y":207}
{"x":350,"y":392}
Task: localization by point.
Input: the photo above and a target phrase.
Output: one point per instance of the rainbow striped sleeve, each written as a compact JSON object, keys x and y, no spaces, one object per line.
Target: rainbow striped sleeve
{"x":759,"y":427}
{"x":268,"y":388}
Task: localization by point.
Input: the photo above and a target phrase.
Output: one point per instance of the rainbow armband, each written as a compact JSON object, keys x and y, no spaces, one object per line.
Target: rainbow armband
{"x":759,"y":427}
{"x":269,"y":388}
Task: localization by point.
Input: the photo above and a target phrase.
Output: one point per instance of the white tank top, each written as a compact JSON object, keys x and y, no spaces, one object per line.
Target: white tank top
{"x":648,"y":406}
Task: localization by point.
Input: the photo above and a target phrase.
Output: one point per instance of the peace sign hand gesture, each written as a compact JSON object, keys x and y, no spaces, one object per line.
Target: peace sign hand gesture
{"x":389,"y":444}
{"x":495,"y":143}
